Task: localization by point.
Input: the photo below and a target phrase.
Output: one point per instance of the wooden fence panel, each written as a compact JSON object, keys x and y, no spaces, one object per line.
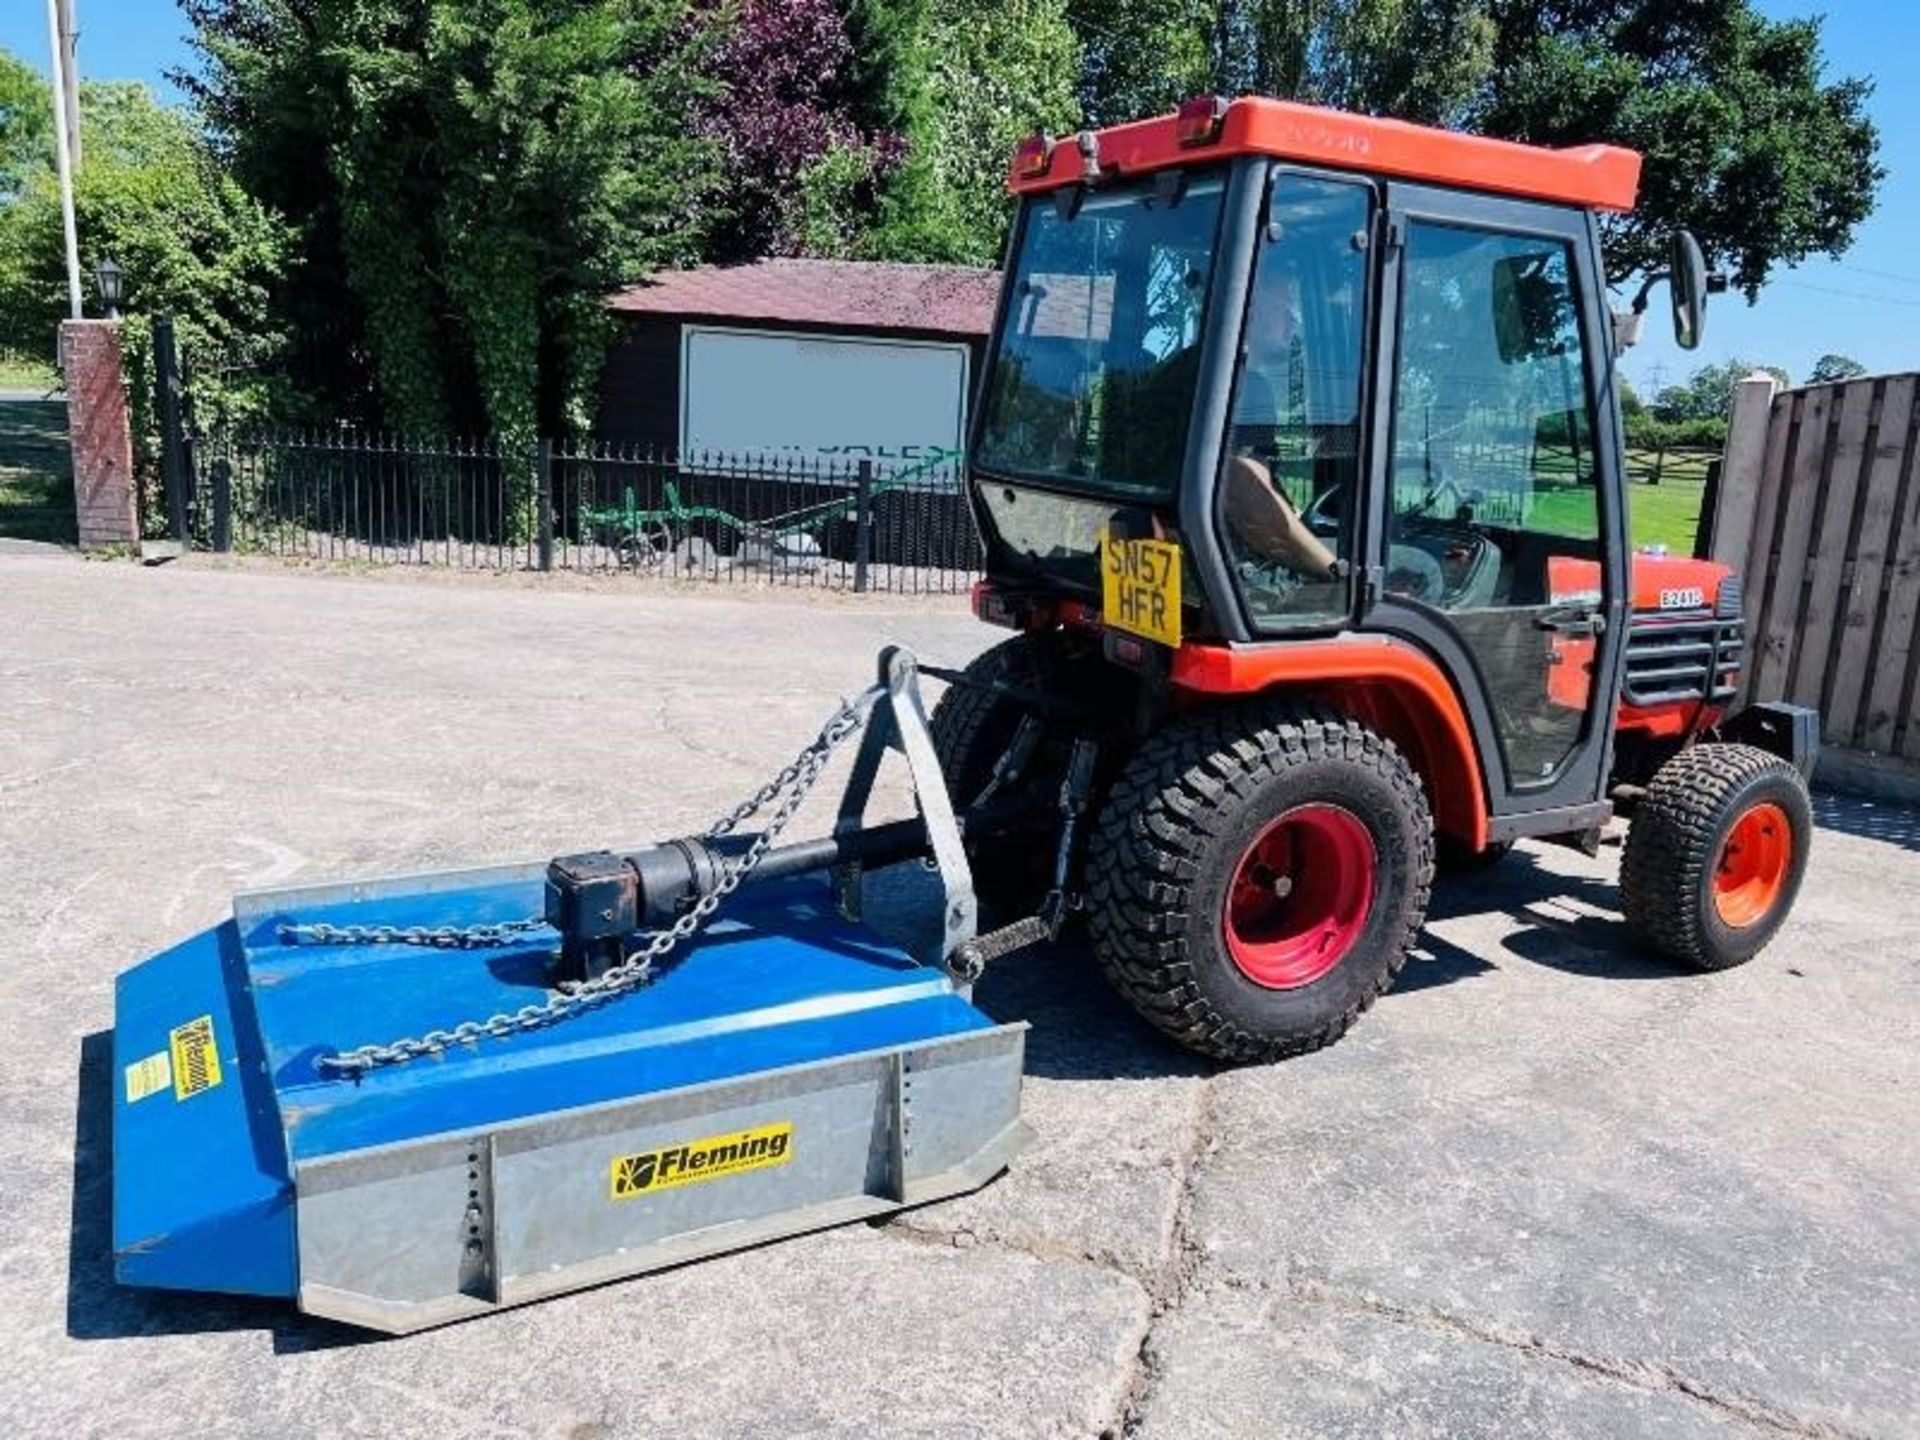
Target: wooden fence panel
{"x":1743,"y":462}
{"x":1749,"y":560}
{"x":1829,"y":545}
{"x":1889,"y":722}
{"x":1829,"y":508}
{"x":1890,"y":455}
{"x":1785,"y":556}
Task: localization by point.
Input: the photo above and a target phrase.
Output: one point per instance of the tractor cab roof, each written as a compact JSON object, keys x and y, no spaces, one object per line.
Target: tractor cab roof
{"x":1595,"y":177}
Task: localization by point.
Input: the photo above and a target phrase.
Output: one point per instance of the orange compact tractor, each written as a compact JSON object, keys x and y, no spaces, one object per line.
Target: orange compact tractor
{"x":1298,"y":462}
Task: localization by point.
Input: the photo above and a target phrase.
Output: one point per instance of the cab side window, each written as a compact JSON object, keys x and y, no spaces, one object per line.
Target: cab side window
{"x":1291,"y":473}
{"x":1492,"y":432}
{"x":1493,"y":503}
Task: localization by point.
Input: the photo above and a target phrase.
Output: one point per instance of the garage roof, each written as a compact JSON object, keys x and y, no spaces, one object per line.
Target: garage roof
{"x":844,"y":294}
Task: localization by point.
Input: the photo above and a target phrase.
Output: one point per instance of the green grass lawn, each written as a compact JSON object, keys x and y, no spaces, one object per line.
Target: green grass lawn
{"x":1555,"y":502}
{"x":17,"y":372}
{"x":36,"y":480}
{"x":1666,"y":514}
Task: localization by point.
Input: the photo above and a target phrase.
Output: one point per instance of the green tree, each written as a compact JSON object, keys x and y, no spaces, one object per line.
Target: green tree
{"x":1632,"y":407}
{"x":889,"y":83}
{"x":1004,"y":70}
{"x":1142,"y":57}
{"x":952,"y":86}
{"x":1744,"y":142}
{"x":1418,"y":60}
{"x":1829,"y":368}
{"x":1707,"y":394}
{"x":26,"y":124}
{"x":193,"y":244}
{"x":471,"y":179}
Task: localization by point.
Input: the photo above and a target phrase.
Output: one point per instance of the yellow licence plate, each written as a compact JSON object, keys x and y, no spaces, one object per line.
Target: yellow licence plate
{"x":1140,"y":587}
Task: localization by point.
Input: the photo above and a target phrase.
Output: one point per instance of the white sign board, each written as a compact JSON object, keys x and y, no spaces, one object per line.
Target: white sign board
{"x":763,"y":397}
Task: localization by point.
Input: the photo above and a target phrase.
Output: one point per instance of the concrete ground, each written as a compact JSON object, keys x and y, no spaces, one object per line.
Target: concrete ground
{"x":1547,"y":1187}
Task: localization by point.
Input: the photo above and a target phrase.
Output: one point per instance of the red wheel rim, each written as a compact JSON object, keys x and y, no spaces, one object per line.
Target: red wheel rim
{"x":1300,"y":896}
{"x":1753,"y":865}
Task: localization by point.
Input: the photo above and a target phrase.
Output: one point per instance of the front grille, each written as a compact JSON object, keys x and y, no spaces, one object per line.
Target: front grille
{"x":1692,"y":658}
{"x":1732,"y":596}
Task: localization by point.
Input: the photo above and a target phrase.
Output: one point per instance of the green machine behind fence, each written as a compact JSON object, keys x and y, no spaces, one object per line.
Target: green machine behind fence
{"x":683,"y":535}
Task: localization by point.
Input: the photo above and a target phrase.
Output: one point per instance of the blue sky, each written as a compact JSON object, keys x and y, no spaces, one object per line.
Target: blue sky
{"x":1866,"y":305}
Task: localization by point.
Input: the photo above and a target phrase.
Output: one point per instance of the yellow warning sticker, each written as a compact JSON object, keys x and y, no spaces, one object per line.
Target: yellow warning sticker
{"x":713,"y":1158}
{"x":149,"y":1076}
{"x":196,"y":1059}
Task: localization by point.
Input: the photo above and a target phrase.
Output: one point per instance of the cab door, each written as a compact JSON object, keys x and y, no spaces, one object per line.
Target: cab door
{"x":1497,"y":538}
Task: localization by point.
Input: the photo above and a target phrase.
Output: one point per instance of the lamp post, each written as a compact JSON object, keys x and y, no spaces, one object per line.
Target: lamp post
{"x":63,"y":157}
{"x":112,"y":281}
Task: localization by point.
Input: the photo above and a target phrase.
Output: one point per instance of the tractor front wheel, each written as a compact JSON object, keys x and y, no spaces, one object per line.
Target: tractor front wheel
{"x":1715,"y":854}
{"x":1257,"y":876}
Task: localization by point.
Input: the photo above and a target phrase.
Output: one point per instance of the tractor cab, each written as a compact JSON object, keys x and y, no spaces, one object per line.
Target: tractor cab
{"x":1265,"y":373}
{"x":1299,"y":465}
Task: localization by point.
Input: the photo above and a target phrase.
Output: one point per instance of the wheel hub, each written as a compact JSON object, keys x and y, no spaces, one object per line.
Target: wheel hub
{"x":1300,"y":896}
{"x":1753,"y":865}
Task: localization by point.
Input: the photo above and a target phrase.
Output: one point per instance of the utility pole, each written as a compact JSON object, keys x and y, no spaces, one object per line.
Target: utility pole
{"x":63,"y":156}
{"x":70,"y":66}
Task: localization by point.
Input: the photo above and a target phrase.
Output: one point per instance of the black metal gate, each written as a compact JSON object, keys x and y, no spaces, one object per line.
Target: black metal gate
{"x":173,"y":407}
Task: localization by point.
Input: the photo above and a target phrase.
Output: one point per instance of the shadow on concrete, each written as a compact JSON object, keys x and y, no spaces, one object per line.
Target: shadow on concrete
{"x":1886,"y":820}
{"x":100,"y":1309}
{"x":1563,"y":936}
{"x":1081,"y":1030}
{"x":1434,"y":962}
{"x":36,"y":479}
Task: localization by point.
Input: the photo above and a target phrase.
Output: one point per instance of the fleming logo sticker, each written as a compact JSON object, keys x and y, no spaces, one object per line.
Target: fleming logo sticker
{"x":196,"y":1059}
{"x":714,"y":1158}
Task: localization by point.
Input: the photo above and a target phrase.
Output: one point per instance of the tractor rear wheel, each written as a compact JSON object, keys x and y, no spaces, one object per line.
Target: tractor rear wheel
{"x":972,"y":725}
{"x":1716,"y":853}
{"x":1257,"y":876}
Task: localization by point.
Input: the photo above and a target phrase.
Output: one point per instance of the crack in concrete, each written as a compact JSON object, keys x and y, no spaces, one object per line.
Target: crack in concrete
{"x":1643,"y":1375}
{"x":1166,"y":1288}
{"x":911,"y":1229}
{"x":1179,"y":1265}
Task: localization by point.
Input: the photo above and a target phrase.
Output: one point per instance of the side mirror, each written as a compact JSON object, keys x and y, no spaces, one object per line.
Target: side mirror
{"x":1687,"y":285}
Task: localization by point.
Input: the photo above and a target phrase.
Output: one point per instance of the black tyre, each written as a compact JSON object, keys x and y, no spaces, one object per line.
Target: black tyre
{"x":972,"y":727}
{"x":973,"y":724}
{"x":1257,"y":876}
{"x":1716,"y":853}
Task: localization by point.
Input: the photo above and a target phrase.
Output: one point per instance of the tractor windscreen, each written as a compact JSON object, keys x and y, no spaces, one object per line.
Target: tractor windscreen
{"x":1093,"y":381}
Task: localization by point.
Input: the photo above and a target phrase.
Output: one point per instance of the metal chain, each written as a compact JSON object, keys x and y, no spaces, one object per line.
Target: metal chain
{"x":439,"y":937}
{"x":638,"y":967}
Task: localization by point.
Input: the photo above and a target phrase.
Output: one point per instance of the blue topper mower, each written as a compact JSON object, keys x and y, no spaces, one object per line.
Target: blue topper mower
{"x":408,"y":1101}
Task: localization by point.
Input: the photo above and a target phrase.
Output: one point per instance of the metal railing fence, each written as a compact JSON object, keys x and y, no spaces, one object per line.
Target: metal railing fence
{"x":842,"y":523}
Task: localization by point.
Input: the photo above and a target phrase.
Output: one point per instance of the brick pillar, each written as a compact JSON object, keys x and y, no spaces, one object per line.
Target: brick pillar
{"x":101,"y":435}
